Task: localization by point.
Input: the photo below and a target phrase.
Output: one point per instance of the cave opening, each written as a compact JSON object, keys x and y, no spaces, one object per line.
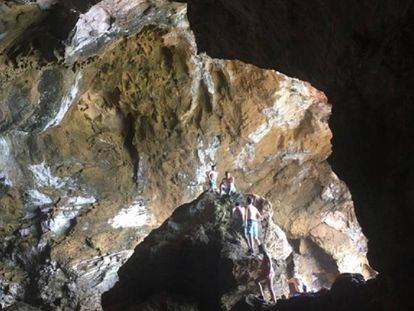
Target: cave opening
{"x":147,"y":112}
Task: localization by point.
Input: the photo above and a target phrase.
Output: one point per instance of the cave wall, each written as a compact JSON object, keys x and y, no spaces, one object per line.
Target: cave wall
{"x":360,"y":53}
{"x":103,"y":136}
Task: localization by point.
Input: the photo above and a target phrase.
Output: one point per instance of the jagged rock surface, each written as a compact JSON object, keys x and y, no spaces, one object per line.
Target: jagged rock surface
{"x":349,"y":292}
{"x":197,"y":254}
{"x":102,"y":138}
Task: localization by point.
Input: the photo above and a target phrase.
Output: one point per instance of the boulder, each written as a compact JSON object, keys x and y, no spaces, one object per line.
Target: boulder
{"x":197,"y":254}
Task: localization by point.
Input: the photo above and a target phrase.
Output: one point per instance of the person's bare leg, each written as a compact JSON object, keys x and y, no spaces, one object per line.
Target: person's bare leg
{"x":250,"y":241}
{"x":246,"y":239}
{"x":260,"y":287}
{"x":272,"y":292}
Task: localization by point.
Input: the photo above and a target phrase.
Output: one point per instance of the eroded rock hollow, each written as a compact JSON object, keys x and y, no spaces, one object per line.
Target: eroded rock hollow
{"x":111,"y":120}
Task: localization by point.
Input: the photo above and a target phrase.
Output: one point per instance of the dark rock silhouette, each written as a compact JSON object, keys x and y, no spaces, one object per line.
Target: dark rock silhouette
{"x":195,"y":255}
{"x":196,"y":261}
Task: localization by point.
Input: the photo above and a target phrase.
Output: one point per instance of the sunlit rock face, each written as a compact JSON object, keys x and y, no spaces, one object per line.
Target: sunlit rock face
{"x":101,"y":144}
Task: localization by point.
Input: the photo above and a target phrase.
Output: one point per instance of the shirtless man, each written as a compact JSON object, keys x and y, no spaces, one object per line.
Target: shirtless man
{"x":252,"y":218}
{"x":227,"y":185}
{"x":266,"y":273}
{"x":212,"y":178}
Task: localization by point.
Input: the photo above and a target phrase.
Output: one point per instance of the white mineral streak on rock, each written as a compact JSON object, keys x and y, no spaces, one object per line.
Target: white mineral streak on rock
{"x":97,"y":275}
{"x":201,"y":73}
{"x":44,"y":178}
{"x":60,"y":222}
{"x":38,"y":198}
{"x":109,"y":19}
{"x":137,"y":215}
{"x":67,"y":102}
{"x":336,"y":220}
{"x":207,"y":155}
{"x":81,"y":200}
{"x":196,"y":67}
{"x":206,"y":73}
{"x":180,"y":20}
{"x":9,"y":291}
{"x":328,"y":193}
{"x":4,"y":149}
{"x":333,"y":191}
{"x":246,"y":155}
{"x":91,"y":25}
{"x":107,"y":265}
{"x":260,"y":132}
{"x":293,"y":153}
{"x":6,"y":160}
{"x":291,"y":101}
{"x":61,"y":219}
{"x":290,"y":104}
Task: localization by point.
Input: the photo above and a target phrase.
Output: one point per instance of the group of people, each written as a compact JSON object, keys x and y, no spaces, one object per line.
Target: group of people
{"x":245,"y":221}
{"x":227,"y":185}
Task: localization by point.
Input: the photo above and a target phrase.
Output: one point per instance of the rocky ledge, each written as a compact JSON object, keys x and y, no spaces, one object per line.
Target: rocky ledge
{"x":197,"y":259}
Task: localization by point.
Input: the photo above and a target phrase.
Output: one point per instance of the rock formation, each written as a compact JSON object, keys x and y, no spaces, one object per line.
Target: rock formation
{"x":197,"y":260}
{"x":349,"y":292}
{"x":198,"y":256}
{"x":103,"y":137}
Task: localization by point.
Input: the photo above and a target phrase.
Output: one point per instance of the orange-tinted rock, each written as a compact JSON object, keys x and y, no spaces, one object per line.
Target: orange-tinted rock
{"x":125,"y":130}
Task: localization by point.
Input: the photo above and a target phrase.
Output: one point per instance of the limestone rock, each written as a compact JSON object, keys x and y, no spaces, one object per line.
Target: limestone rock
{"x":20,"y":306}
{"x":100,"y":143}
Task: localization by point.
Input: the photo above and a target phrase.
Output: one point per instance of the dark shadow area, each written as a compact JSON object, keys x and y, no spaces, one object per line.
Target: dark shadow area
{"x":361,"y":54}
{"x":185,"y":265}
{"x":129,"y":144}
{"x":49,"y":36}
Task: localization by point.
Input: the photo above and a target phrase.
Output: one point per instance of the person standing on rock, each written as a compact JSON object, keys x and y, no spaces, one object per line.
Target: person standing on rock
{"x":227,"y":185}
{"x":266,"y":274}
{"x":252,"y":218}
{"x":212,"y":178}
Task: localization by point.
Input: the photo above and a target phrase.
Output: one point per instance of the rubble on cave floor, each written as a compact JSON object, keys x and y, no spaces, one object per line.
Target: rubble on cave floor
{"x":349,"y":292}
